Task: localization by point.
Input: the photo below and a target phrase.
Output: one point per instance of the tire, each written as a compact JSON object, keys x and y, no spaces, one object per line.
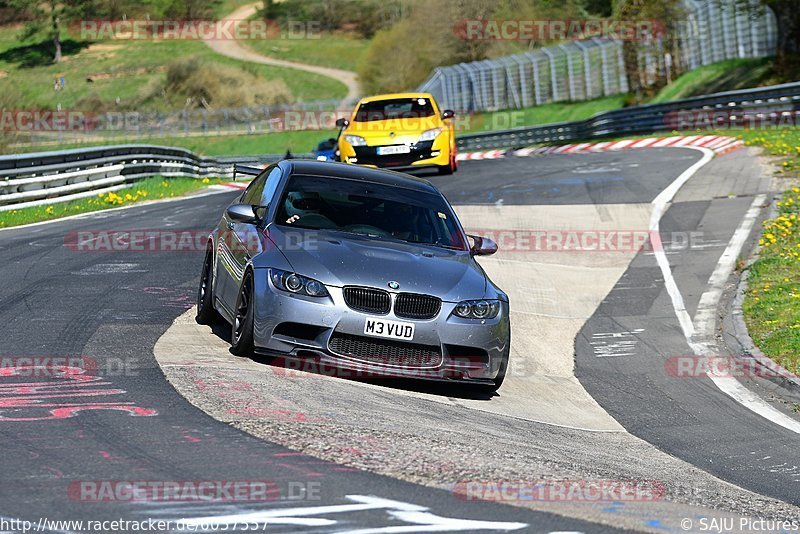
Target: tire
{"x":206,"y":314}
{"x":242,"y":327}
{"x":449,"y":168}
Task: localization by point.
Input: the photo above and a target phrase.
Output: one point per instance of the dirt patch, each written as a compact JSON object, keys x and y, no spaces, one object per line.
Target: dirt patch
{"x":103,"y":47}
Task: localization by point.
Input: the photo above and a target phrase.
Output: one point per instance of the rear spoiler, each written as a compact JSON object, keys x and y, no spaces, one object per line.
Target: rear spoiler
{"x":246,"y":170}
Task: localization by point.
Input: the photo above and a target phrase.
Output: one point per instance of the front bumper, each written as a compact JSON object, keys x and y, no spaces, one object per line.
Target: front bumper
{"x":421,"y":154}
{"x":303,"y":328}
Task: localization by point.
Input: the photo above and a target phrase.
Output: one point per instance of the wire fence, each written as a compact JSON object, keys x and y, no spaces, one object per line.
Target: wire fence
{"x":76,"y":127}
{"x":593,"y":68}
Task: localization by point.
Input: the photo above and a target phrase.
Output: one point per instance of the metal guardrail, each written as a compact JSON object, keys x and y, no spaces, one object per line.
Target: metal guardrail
{"x":763,"y":106}
{"x":46,"y":177}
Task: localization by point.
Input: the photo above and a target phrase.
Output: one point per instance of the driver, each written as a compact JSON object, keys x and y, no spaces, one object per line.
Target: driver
{"x":401,"y":220}
{"x":299,"y":204}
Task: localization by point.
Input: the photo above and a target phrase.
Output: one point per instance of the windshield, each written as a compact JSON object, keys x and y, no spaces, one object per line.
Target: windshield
{"x":369,"y":209}
{"x":398,"y":108}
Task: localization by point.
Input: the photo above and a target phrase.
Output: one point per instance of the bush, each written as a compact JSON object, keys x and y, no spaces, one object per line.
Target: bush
{"x":194,"y":83}
{"x":403,"y":55}
{"x":364,"y":16}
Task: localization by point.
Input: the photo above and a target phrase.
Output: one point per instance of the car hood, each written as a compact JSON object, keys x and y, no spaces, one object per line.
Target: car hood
{"x":338,"y":260}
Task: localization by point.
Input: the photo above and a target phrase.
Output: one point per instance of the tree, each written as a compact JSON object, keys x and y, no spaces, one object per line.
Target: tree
{"x":598,"y":8}
{"x":49,"y":17}
{"x":787,"y":15}
{"x":668,"y":14}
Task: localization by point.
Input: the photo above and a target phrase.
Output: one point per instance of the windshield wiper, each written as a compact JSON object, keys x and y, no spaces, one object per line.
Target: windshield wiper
{"x":435,"y":244}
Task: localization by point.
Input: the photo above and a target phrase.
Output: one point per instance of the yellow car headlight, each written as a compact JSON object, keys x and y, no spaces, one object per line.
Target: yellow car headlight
{"x":355,"y":140}
{"x":430,"y":135}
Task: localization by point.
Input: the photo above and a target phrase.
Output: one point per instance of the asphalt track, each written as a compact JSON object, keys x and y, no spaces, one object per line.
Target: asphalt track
{"x":112,"y":308}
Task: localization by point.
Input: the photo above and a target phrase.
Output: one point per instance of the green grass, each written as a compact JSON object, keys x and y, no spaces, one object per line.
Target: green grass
{"x":229,"y":6}
{"x":134,"y":66}
{"x":230,"y":145}
{"x":329,"y":50}
{"x":148,"y":189}
{"x":784,"y":142}
{"x":722,"y":76}
{"x":544,"y":114}
{"x":772,"y":304}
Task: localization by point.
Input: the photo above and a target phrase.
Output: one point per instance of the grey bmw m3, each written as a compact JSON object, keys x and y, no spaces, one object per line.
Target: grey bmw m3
{"x":358,"y":269}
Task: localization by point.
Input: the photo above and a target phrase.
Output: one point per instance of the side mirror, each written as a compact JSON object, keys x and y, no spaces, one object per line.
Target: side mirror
{"x":448,"y":114}
{"x":482,"y":246}
{"x":342,"y":123}
{"x":242,"y":213}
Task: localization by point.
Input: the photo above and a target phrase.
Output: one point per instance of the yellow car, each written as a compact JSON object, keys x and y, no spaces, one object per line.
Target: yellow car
{"x":399,"y":131}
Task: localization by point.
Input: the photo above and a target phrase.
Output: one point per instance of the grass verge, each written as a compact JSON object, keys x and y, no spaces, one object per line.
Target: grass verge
{"x":124,"y":72}
{"x":326,"y":49}
{"x":772,"y":303}
{"x":544,"y":114}
{"x":784,"y":142}
{"x":726,"y":75}
{"x":148,"y":189}
{"x":215,"y":145}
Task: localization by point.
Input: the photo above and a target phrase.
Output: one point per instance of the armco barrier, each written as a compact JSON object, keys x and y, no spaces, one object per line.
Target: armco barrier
{"x":46,"y":177}
{"x":776,"y":104}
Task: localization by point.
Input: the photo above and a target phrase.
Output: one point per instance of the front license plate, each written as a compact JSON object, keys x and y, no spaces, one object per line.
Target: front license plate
{"x":389,"y":329}
{"x":395,"y":149}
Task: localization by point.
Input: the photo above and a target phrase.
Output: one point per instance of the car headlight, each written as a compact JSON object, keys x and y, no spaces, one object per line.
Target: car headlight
{"x":355,"y":140}
{"x":430,"y":135}
{"x":477,"y":309}
{"x":294,"y":283}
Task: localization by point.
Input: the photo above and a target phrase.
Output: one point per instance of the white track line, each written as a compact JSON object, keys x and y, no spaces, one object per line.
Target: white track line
{"x":703,"y":343}
{"x":699,"y":333}
{"x":659,"y":208}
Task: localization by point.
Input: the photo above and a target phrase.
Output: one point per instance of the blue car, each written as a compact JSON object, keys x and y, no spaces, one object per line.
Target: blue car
{"x":326,"y":150}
